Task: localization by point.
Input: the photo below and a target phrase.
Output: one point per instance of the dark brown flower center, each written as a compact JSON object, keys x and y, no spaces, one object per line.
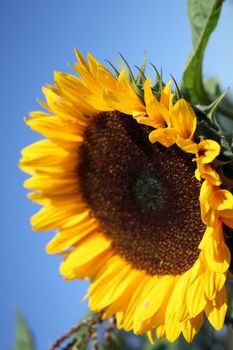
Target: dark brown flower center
{"x":145,"y":196}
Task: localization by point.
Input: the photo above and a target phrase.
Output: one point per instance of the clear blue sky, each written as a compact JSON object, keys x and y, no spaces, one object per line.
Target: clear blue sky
{"x":38,"y":37}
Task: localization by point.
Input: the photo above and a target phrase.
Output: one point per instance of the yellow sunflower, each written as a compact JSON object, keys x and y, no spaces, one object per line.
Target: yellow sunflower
{"x":144,"y":221}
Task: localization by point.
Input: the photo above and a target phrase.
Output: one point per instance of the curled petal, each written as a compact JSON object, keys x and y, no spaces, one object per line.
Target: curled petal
{"x":208,"y":150}
{"x":167,"y":137}
{"x":183,"y":119}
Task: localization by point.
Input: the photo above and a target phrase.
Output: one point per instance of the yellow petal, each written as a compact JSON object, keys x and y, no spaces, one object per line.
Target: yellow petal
{"x":50,"y":185}
{"x":106,"y":78}
{"x":151,"y":302}
{"x":141,"y":119}
{"x":105,"y":291}
{"x":55,"y":129}
{"x":167,"y":96}
{"x":208,"y":150}
{"x":50,"y":217}
{"x":183,"y":119}
{"x":213,"y":282}
{"x":70,"y":86}
{"x":151,"y":336}
{"x":208,"y":173}
{"x":92,"y":63}
{"x":156,"y":320}
{"x":155,"y":110}
{"x":88,"y":78}
{"x":176,"y":303}
{"x":167,"y":136}
{"x":66,"y":108}
{"x":69,"y":237}
{"x":191,"y":327}
{"x":86,"y":254}
{"x":127,"y":289}
{"x":217,"y":255}
{"x":148,"y":93}
{"x":119,"y":319}
{"x":187,"y":145}
{"x":221,"y":199}
{"x":215,"y":310}
{"x":173,"y":328}
{"x":195,"y":298}
{"x":80,"y":58}
{"x":132,"y":304}
{"x":207,"y":213}
{"x":124,"y":102}
{"x":161,"y":331}
{"x":98,"y":102}
{"x":207,"y":235}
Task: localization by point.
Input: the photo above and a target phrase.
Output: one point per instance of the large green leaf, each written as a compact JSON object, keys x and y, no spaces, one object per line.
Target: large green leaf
{"x":203,"y":17}
{"x":23,"y":338}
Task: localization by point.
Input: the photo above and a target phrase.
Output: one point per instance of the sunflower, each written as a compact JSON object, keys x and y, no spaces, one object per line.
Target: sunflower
{"x":144,"y":219}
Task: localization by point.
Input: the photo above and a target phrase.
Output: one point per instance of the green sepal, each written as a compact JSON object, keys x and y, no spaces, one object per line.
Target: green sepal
{"x":159,"y":84}
{"x":178,"y":94}
{"x":140,"y":78}
{"x":113,"y":68}
{"x":132,"y":79}
{"x":205,"y":128}
{"x":211,"y":109}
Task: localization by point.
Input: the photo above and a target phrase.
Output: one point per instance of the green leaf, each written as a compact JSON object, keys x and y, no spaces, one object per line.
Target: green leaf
{"x":203,"y":17}
{"x":212,"y":87}
{"x":24,"y":338}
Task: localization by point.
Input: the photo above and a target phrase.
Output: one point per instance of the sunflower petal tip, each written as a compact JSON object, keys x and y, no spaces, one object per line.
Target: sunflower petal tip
{"x":151,"y":336}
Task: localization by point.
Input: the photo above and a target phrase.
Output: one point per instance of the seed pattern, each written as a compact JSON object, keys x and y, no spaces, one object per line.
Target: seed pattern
{"x":118,"y":169}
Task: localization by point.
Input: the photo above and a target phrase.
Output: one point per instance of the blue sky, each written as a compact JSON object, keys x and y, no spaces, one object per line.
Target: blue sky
{"x":38,"y":37}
